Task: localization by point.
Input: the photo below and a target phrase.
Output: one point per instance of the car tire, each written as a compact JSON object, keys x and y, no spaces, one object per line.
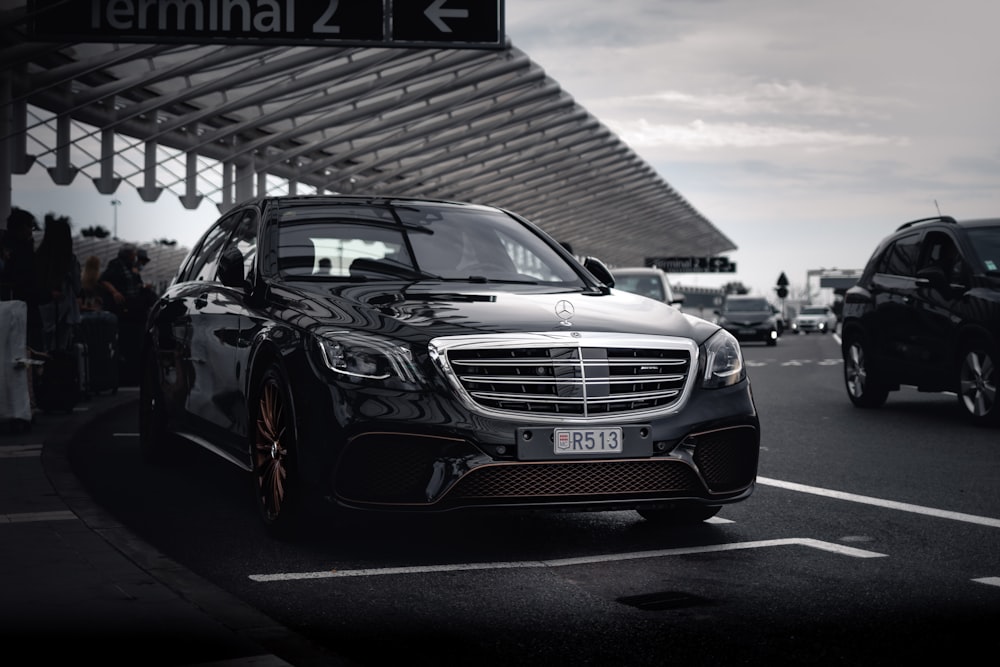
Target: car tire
{"x":679,"y":515}
{"x":863,"y":386}
{"x":978,"y":376}
{"x":276,"y":483}
{"x":153,"y":435}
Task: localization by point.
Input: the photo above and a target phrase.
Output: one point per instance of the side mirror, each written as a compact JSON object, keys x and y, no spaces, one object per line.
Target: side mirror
{"x":599,"y":270}
{"x":230,"y":269}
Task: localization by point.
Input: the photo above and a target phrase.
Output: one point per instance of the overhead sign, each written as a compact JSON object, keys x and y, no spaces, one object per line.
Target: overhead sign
{"x":692,"y":264}
{"x":402,"y":23}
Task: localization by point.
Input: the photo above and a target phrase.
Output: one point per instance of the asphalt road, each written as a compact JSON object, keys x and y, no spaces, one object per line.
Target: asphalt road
{"x":872,"y":538}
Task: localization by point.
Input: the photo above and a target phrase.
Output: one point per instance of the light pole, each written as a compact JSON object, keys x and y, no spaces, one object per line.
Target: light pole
{"x":114,"y":205}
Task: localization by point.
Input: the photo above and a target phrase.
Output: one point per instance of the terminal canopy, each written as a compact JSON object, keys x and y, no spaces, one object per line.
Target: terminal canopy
{"x":217,"y":124}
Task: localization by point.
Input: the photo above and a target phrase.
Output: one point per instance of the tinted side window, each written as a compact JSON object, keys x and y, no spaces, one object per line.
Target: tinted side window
{"x":900,"y":258}
{"x":245,"y":239}
{"x":940,"y":251}
{"x":205,"y":259}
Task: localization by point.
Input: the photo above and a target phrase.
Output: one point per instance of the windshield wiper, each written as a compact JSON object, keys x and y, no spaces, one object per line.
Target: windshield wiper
{"x":362,"y":267}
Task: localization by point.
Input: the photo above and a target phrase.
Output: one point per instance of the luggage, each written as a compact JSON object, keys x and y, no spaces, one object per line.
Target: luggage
{"x":15,"y":399}
{"x":98,"y":330}
{"x":57,"y":382}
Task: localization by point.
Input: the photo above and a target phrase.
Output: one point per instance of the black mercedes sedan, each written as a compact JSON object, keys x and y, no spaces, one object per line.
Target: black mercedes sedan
{"x":407,"y":354}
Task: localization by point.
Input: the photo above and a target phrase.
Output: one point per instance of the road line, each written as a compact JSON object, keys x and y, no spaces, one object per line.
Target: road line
{"x":564,"y":562}
{"x":26,"y":517}
{"x":992,"y":581}
{"x":20,"y":451}
{"x":880,"y":502}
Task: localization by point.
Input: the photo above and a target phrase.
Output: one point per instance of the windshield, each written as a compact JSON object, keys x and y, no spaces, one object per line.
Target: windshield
{"x":382,"y":241}
{"x":747,"y":305}
{"x":644,"y":284}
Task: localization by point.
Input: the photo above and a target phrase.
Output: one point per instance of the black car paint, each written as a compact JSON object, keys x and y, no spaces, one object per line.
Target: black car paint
{"x":259,"y":321}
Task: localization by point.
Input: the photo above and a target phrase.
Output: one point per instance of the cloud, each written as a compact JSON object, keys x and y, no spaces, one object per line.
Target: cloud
{"x":769,"y":98}
{"x":699,"y":135}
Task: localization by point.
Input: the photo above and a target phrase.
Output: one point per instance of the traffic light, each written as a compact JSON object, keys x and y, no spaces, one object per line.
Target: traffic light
{"x":782,"y":286}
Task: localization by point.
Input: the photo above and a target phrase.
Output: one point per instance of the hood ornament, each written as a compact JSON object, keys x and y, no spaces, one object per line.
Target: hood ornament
{"x":565,"y":312}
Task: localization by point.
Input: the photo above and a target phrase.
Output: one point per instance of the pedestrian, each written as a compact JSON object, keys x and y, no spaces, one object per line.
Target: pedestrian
{"x":124,"y":282}
{"x":57,"y":277}
{"x":147,"y":295}
{"x":92,"y":294}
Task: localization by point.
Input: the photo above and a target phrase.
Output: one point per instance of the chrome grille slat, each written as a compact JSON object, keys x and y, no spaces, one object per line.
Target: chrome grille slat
{"x":569,"y":376}
{"x":525,"y":379}
{"x":534,"y":361}
{"x":575,"y":399}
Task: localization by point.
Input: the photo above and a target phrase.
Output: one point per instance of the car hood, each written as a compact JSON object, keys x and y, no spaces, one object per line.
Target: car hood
{"x":446,"y":309}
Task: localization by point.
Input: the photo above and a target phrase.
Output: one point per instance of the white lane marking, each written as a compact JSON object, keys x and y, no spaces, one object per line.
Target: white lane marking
{"x":880,"y":502}
{"x":718,"y":520}
{"x":991,"y":581}
{"x":20,"y":451}
{"x":25,"y":517}
{"x":563,"y":562}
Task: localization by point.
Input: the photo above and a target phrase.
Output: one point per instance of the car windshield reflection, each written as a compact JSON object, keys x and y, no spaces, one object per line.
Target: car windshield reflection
{"x":417,"y":243}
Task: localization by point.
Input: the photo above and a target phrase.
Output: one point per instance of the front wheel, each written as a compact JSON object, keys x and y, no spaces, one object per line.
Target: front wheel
{"x":863,"y":387}
{"x":978,"y":375}
{"x":274,"y":454}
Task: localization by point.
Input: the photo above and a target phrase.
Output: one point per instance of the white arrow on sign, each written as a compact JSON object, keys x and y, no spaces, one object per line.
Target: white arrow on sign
{"x":436,"y":12}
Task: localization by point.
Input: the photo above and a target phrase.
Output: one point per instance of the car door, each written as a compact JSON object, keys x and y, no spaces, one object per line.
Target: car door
{"x":894,"y":319}
{"x":206,"y":330}
{"x":942,"y":279}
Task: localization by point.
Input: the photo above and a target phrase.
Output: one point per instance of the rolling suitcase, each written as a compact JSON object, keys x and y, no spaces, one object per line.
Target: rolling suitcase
{"x":57,"y":381}
{"x":99,"y":332}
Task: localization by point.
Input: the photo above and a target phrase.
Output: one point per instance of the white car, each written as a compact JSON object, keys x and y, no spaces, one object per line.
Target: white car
{"x":647,"y":281}
{"x":820,"y":319}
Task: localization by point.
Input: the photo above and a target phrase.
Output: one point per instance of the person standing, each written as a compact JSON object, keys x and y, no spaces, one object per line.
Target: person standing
{"x":93,"y":294}
{"x":123,"y":281}
{"x":57,"y":278}
{"x":18,"y":276}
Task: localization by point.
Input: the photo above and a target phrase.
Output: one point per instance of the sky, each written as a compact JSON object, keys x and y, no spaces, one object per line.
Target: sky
{"x":804,"y":130}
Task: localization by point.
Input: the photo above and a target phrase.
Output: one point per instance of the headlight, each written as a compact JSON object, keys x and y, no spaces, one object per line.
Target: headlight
{"x":369,"y":358}
{"x":723,"y":361}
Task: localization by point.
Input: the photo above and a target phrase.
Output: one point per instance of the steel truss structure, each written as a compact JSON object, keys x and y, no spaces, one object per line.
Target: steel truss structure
{"x":223,"y":123}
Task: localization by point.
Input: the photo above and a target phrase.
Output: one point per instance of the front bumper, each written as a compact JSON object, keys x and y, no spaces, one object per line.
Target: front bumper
{"x":411,"y":471}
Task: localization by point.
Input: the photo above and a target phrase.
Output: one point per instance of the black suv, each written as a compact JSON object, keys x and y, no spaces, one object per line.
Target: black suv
{"x":926,"y":313}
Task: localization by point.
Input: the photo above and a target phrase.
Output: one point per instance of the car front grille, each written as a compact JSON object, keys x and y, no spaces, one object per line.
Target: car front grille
{"x":566,"y":481}
{"x":562,"y":376}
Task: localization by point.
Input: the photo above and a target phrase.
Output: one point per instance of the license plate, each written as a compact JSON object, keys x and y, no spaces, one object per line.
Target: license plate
{"x":587,"y":441}
{"x":747,"y":332}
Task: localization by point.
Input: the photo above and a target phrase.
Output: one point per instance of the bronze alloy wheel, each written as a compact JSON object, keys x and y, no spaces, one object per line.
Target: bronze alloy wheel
{"x":978,"y":376}
{"x":274,"y":452}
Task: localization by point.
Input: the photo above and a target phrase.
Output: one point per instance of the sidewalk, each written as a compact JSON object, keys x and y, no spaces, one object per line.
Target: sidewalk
{"x":74,"y":583}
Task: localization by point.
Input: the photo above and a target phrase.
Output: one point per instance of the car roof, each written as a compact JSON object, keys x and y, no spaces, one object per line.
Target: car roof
{"x":948,"y":221}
